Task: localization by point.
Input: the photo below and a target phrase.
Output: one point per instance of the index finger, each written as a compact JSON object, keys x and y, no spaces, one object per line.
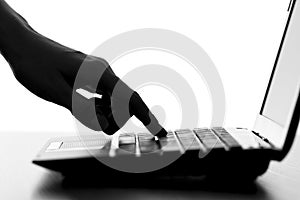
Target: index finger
{"x":125,"y":99}
{"x":138,"y":108}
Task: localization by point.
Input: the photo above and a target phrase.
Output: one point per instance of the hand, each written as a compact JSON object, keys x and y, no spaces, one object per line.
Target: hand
{"x":49,"y":70}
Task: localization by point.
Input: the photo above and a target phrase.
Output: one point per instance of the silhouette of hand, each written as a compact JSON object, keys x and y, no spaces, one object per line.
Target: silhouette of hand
{"x":49,"y":70}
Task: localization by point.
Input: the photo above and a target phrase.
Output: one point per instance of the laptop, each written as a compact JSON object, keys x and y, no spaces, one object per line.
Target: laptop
{"x":227,"y":153}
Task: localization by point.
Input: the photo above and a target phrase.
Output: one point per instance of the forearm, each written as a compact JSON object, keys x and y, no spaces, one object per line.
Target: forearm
{"x":8,"y":15}
{"x":13,"y":33}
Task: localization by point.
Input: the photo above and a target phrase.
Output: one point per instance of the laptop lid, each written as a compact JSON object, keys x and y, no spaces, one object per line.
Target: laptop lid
{"x":279,"y":116}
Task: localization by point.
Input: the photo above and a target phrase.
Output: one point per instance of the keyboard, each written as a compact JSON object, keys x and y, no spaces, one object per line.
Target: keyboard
{"x":202,"y":140}
{"x":183,"y":140}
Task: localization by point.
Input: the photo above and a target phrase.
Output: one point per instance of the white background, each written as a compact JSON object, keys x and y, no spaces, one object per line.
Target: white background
{"x":241,"y":37}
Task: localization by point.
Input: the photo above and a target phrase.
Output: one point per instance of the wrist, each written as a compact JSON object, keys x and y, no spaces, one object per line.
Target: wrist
{"x":9,"y":18}
{"x":13,"y":33}
{"x":12,"y":25}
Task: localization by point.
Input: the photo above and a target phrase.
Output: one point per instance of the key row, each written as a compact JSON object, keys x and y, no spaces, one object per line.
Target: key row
{"x":180,"y":140}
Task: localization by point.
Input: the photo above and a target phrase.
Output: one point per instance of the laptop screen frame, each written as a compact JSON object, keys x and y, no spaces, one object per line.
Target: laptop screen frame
{"x":266,"y":126}
{"x":291,"y":7}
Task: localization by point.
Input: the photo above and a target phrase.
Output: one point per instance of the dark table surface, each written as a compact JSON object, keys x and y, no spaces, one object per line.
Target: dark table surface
{"x":20,"y":179}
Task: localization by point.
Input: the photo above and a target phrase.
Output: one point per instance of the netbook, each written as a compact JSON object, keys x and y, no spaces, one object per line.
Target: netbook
{"x":218,"y":152}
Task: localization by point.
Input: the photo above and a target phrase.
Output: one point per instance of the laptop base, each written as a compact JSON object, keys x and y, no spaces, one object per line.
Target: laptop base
{"x":241,"y":166}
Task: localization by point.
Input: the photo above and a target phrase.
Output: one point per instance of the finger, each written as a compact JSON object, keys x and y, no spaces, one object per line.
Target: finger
{"x":124,"y":96}
{"x":142,"y":112}
{"x":112,"y":127}
{"x":91,"y":112}
{"x":84,"y":110}
{"x":103,"y":107}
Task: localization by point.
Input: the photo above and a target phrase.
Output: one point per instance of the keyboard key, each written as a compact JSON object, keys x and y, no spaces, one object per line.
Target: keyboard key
{"x":170,"y":134}
{"x":209,"y":139}
{"x":127,"y":138}
{"x":54,"y":146}
{"x":148,"y":147}
{"x":145,"y":136}
{"x":226,"y":137}
{"x":169,"y":143}
{"x":130,"y":148}
{"x":127,"y":142}
{"x":244,"y":137}
{"x":188,"y":139}
{"x":147,"y":143}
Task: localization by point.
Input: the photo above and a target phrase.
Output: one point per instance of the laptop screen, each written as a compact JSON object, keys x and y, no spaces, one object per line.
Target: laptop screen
{"x":285,"y":79}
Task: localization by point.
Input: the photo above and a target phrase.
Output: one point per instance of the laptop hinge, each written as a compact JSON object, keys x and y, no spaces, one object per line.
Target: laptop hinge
{"x":264,"y":139}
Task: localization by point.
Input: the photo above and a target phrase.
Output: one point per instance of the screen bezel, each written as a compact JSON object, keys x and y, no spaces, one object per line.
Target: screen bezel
{"x":291,"y":8}
{"x":265,"y":125}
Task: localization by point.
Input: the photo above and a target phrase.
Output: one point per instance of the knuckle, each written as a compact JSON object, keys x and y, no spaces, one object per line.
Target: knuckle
{"x":103,"y":62}
{"x":96,"y":61}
